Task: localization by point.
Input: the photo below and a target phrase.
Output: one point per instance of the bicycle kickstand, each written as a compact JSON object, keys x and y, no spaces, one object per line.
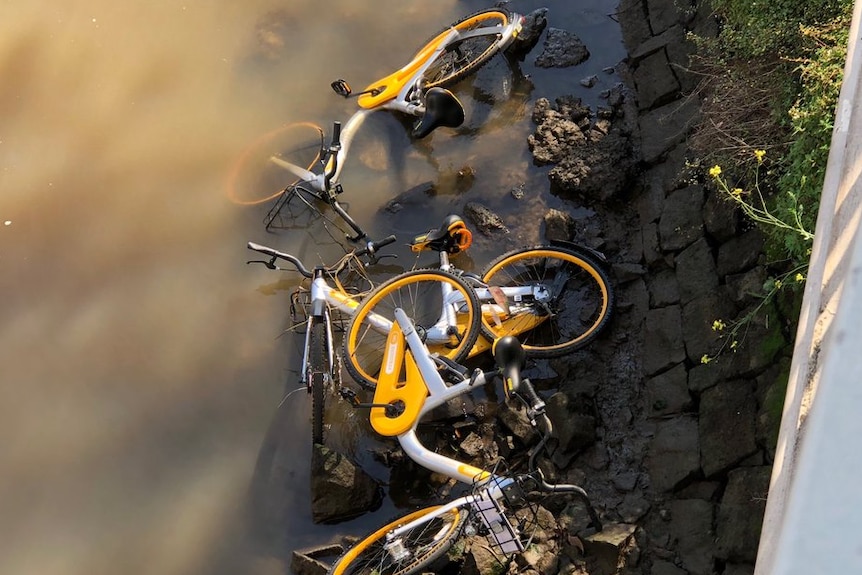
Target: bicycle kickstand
{"x":353,"y":399}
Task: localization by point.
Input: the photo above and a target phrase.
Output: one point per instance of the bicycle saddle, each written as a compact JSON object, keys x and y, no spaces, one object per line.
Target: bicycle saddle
{"x":442,"y":108}
{"x":452,"y":237}
{"x":509,"y":356}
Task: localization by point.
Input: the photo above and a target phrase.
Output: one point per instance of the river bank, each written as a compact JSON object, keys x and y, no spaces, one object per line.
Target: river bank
{"x":675,"y":452}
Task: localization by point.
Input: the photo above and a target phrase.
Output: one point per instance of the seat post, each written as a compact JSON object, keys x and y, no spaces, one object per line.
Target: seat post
{"x":444,"y":261}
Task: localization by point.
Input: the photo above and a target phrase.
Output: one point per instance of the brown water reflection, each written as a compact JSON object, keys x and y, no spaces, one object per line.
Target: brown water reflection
{"x":138,"y":358}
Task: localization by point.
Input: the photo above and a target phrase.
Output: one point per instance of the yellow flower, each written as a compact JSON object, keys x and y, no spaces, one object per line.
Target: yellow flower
{"x":734,"y":344}
{"x":715,"y":171}
{"x":736,"y":192}
{"x":718,"y":325}
{"x":759,"y":155}
{"x":800,"y":278}
{"x":705,"y":359}
{"x":778,"y":284}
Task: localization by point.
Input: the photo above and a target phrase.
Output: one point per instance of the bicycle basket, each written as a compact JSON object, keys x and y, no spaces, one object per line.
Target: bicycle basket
{"x":512,"y":520}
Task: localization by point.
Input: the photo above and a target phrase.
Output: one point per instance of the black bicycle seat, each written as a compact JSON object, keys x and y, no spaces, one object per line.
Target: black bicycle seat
{"x":510,"y":357}
{"x":452,"y":236}
{"x":442,"y":108}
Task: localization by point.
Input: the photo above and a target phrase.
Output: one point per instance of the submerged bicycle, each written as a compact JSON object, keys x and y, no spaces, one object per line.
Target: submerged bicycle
{"x":556,"y":298}
{"x":409,"y":387}
{"x":417,"y":90}
{"x":325,"y":296}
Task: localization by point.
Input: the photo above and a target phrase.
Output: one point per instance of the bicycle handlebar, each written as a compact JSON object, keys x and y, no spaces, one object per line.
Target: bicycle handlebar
{"x":370,"y":249}
{"x":336,"y":136}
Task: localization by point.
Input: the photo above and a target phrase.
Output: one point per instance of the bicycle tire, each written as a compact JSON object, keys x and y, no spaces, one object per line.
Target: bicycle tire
{"x":465,"y":57}
{"x":574,"y":315}
{"x":317,"y":369}
{"x":249,"y":168}
{"x":424,"y":543}
{"x":419,"y":293}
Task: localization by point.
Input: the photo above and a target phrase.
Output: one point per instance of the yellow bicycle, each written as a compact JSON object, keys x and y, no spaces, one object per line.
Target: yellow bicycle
{"x":557,"y":298}
{"x":418,"y":89}
{"x":500,"y":506}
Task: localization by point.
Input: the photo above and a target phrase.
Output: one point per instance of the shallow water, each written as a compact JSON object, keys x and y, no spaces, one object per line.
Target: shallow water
{"x":139,"y":356}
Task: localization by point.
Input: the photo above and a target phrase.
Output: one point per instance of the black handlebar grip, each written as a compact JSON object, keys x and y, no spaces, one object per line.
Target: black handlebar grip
{"x":384,"y":242}
{"x":372,"y":247}
{"x":528,"y":392}
{"x":336,"y":135}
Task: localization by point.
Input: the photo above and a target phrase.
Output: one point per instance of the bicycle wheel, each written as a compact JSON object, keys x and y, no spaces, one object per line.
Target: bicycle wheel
{"x":254,"y":178}
{"x":571,"y":299}
{"x":449,"y":322}
{"x":463,"y":57}
{"x":419,"y":547}
{"x":317,"y":370}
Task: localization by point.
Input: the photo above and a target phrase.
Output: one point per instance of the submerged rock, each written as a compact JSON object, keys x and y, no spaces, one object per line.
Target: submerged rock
{"x":339,"y":489}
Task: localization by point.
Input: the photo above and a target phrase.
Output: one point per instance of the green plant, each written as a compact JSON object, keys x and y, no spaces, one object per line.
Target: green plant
{"x":769,"y":83}
{"x":753,"y":205}
{"x":821,"y":71}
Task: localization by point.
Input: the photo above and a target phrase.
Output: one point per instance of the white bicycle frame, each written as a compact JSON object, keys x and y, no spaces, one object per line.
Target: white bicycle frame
{"x":407,"y":101}
{"x":322,"y":293}
{"x":484,"y":501}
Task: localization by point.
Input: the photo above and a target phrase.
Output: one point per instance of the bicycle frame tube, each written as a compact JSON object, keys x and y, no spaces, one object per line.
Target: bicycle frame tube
{"x":330,"y":347}
{"x":398,"y":85}
{"x":437,"y":333}
{"x":351,"y":127}
{"x":305,"y":371}
{"x":318,"y":313}
{"x":438,"y":394}
{"x":494,"y":491}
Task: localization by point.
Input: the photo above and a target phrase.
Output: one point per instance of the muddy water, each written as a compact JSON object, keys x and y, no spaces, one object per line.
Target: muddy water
{"x":139,"y":360}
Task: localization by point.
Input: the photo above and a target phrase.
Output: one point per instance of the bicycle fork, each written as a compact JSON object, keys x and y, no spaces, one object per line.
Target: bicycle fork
{"x":319,"y":312}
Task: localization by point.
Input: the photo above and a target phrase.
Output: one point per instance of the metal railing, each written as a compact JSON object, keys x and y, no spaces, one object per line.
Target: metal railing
{"x":814,"y":509}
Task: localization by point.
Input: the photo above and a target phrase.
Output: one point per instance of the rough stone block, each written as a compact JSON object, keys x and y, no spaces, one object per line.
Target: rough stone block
{"x":681,"y":221}
{"x":634,"y":23}
{"x":339,"y":489}
{"x":720,"y":217}
{"x":663,"y":339}
{"x":695,"y":271}
{"x":667,"y":393}
{"x":663,"y":128}
{"x":654,"y":80}
{"x":740,"y":253}
{"x":727,"y":425}
{"x":740,"y":513}
{"x":608,"y":546}
{"x":308,"y":561}
{"x":662,"y":15}
{"x":691,"y":530}
{"x":663,"y":288}
{"x":698,"y":317}
{"x":649,"y":242}
{"x":674,"y":453}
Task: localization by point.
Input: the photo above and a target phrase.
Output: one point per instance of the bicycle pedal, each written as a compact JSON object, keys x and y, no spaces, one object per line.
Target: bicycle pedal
{"x":342,"y":88}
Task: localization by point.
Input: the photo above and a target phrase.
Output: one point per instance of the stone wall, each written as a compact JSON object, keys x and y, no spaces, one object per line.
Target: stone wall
{"x":708,"y":429}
